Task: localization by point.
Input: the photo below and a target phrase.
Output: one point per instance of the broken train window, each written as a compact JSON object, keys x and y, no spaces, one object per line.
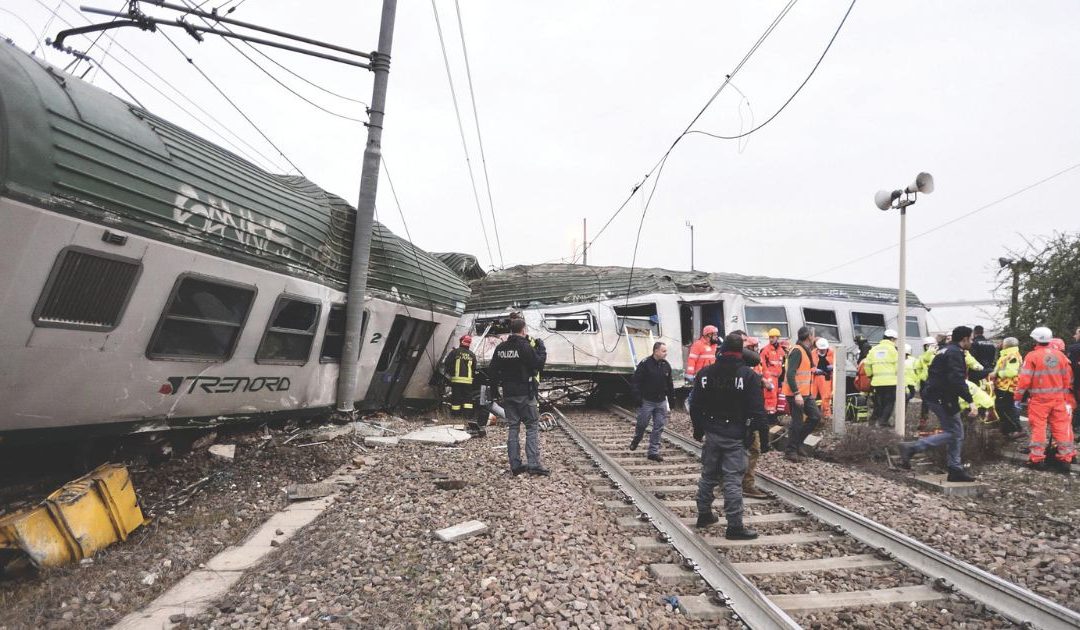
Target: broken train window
{"x":202,"y":320}
{"x":579,"y":322}
{"x":290,"y":332}
{"x":637,"y":319}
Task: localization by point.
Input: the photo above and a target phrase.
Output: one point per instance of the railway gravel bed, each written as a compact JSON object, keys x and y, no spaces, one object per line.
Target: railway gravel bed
{"x":238,"y":496}
{"x":553,"y":556}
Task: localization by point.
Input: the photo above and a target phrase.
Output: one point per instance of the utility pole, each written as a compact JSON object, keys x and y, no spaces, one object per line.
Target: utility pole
{"x":349,"y":374}
{"x":584,"y":243}
{"x":691,"y":226}
{"x":1016,"y":267}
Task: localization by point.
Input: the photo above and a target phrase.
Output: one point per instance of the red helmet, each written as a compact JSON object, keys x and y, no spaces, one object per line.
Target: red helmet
{"x":466,"y":340}
{"x":751,"y":342}
{"x":710,"y":330}
{"x":1057,"y":343}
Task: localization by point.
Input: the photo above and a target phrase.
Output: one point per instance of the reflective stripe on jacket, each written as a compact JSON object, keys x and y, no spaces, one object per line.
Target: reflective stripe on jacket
{"x":1046,"y":374}
{"x":702,"y":355}
{"x":460,"y":364}
{"x":1008,"y":369}
{"x":772,"y":360}
{"x":804,"y":372}
{"x":881,"y":364}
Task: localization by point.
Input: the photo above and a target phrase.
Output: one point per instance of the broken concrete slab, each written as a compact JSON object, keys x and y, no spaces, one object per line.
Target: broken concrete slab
{"x":381,"y":441}
{"x":204,"y":441}
{"x":938,"y":483}
{"x":461,"y":530}
{"x":442,"y":436}
{"x":226,"y":452}
{"x":364,"y":460}
{"x":302,"y":491}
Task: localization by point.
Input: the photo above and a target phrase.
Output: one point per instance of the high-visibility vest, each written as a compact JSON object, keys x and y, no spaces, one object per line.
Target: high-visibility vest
{"x":1046,"y":375}
{"x":1008,"y":369}
{"x":881,"y":364}
{"x":464,"y":363}
{"x":804,"y":376}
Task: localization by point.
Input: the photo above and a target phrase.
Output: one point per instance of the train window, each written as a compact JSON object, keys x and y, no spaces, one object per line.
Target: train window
{"x":86,"y":290}
{"x":686,"y":323}
{"x":913,"y":327}
{"x":334,"y":337}
{"x":492,"y":325}
{"x":869,"y":325}
{"x":637,"y":319}
{"x":202,"y":320}
{"x":759,"y":319}
{"x":580,"y":322}
{"x":823,"y":322}
{"x":290,"y":332}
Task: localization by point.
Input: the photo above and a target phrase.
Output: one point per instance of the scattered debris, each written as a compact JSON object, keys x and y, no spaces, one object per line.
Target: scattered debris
{"x":177,"y":618}
{"x":436,"y":435}
{"x":312,"y":444}
{"x":226,"y":452}
{"x":451,"y":484}
{"x":364,"y":460}
{"x":381,"y":441}
{"x":304,"y":491}
{"x":149,"y":579}
{"x":461,"y":530}
{"x":204,"y":442}
{"x":274,"y":543}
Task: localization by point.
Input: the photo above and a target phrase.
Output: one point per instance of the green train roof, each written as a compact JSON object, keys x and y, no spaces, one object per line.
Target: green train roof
{"x":76,"y":149}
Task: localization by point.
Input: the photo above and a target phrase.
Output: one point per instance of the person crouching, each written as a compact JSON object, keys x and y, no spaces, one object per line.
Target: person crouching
{"x":727,"y":404}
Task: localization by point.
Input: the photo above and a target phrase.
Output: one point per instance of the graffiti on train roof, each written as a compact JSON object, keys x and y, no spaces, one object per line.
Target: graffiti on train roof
{"x":534,"y":285}
{"x":84,"y":152}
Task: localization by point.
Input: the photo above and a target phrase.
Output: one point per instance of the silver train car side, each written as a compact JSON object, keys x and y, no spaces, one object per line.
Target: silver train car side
{"x":598,"y":322}
{"x":150,"y":279}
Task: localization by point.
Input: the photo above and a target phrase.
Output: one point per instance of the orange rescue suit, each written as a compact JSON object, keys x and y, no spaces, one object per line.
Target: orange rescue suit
{"x":702,"y":355}
{"x":1047,"y":377}
{"x":823,"y":387}
{"x":772,"y":365}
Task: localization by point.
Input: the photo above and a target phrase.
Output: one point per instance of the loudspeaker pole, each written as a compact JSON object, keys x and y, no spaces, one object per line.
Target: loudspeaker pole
{"x":901,"y":316}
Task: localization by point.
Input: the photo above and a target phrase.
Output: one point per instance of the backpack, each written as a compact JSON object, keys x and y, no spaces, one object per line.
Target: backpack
{"x":862,"y":380}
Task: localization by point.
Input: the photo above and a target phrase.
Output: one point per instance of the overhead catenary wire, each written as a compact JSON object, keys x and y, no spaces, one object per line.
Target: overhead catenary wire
{"x":461,"y":130}
{"x":200,"y":120}
{"x":231,"y":102}
{"x":479,"y":135}
{"x":981,"y":208}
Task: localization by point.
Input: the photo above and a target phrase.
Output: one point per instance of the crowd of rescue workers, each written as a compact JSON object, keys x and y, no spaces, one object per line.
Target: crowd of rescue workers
{"x":738,"y":389}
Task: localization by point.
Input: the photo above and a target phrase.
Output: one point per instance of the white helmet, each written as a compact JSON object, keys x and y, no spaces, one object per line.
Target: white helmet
{"x":890,"y":333}
{"x":907,"y":348}
{"x":822,"y":343}
{"x":929,"y":341}
{"x":1042,"y":334}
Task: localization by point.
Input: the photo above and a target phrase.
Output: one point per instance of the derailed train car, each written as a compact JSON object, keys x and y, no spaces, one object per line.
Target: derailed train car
{"x":598,"y":322}
{"x":150,"y":279}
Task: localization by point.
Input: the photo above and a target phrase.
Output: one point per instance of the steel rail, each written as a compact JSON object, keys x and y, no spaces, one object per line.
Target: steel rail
{"x":752,"y":606}
{"x":1014,"y":602}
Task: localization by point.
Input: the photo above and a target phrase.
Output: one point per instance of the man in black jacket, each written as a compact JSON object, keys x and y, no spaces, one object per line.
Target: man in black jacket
{"x":727,"y":405}
{"x":946,"y":384}
{"x":653,"y":390}
{"x":514,"y":368}
{"x":984,"y":352}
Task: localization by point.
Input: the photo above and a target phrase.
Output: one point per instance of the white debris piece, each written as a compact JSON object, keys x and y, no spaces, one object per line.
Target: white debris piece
{"x":381,"y":441}
{"x":461,"y":530}
{"x":443,"y":436}
{"x":224,"y":451}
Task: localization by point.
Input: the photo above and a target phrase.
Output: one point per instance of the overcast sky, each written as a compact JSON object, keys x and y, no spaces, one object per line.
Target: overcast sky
{"x":577,"y":101}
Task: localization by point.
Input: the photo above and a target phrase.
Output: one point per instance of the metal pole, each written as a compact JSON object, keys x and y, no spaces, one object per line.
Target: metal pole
{"x":839,"y":376}
{"x":1015,"y":296}
{"x":901,"y":390}
{"x":584,"y":243}
{"x":691,"y":247}
{"x":365,"y":213}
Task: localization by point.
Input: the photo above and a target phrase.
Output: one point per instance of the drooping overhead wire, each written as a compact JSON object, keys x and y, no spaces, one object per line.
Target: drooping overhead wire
{"x":461,"y":130}
{"x":231,"y":102}
{"x":479,"y":136}
{"x":200,"y":120}
{"x":793,"y":94}
{"x":55,"y":11}
{"x":272,"y":77}
{"x":939,"y":226}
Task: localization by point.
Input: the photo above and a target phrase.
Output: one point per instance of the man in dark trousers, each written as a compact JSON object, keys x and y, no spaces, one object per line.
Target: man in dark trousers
{"x":460,"y":365}
{"x":727,"y":406}
{"x":653,"y":390}
{"x":514,"y":367}
{"x":946,"y":384}
{"x":799,"y":389}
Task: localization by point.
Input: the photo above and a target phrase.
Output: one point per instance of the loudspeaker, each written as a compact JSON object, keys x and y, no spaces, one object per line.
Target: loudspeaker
{"x":883,"y":199}
{"x":924,"y":183}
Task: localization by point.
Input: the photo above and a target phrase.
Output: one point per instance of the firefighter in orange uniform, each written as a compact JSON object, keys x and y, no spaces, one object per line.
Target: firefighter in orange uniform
{"x":702,"y":352}
{"x":772,"y":367}
{"x":1046,"y":377}
{"x":823,"y":375}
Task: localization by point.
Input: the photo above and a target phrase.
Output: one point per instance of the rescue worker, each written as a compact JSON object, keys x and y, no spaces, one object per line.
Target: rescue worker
{"x":1047,"y":377}
{"x":881,"y":368}
{"x":922,"y":373}
{"x":757,"y":442}
{"x":799,"y":390}
{"x":945,"y":387}
{"x":654,"y":391}
{"x":984,"y":352}
{"x":1006,"y":372}
{"x":460,"y":364}
{"x":514,"y":368}
{"x":911,"y":380}
{"x":702,"y":352}
{"x":772,"y":367}
{"x":727,"y":405}
{"x":863,"y":345}
{"x":1074,"y":361}
{"x":823,"y":375}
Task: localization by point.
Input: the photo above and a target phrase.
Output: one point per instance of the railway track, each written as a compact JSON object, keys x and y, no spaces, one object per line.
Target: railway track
{"x":849,"y":543}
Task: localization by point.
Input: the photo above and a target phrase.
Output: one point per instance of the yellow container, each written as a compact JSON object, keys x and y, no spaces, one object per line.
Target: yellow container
{"x":75,"y":522}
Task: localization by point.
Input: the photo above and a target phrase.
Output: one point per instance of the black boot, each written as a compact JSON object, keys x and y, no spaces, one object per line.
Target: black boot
{"x":704,"y":519}
{"x":634,"y":442}
{"x":740,"y":533}
{"x":959,"y":474}
{"x":906,"y":451}
{"x":656,"y":457}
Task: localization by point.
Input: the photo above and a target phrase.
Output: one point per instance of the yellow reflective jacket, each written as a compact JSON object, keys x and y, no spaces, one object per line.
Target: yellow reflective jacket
{"x":972,"y":364}
{"x":911,"y":377}
{"x":981,"y":398}
{"x":1007,"y":369}
{"x":881,"y":364}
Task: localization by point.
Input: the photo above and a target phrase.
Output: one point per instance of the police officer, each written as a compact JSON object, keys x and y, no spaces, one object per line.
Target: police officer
{"x":536,"y":344}
{"x":727,"y":406}
{"x":515,"y":367}
{"x":460,"y":364}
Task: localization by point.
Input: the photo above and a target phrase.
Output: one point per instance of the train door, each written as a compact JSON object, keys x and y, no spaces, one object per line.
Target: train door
{"x":405,"y":344}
